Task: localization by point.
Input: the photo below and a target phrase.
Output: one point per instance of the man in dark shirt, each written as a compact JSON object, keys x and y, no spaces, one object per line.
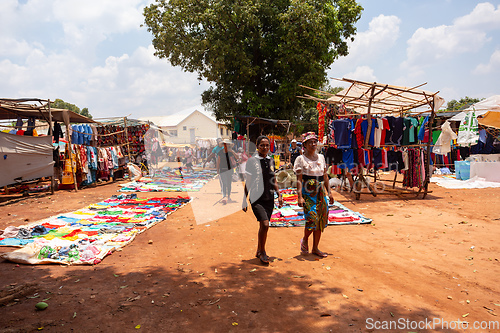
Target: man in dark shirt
{"x":294,"y":151}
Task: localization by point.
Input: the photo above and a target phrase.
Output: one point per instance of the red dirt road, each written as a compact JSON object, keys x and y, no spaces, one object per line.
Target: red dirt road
{"x":434,"y":259}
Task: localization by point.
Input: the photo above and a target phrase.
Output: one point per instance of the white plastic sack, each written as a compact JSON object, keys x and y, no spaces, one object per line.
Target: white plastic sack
{"x":468,"y":132}
{"x":134,"y":171}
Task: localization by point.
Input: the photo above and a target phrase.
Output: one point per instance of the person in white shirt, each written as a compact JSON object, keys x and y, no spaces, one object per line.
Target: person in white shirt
{"x":312,"y":191}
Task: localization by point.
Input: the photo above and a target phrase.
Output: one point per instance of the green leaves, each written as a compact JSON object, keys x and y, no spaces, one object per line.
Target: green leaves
{"x":255,"y":52}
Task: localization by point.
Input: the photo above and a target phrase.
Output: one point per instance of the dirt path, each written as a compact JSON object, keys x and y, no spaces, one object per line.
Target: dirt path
{"x":432,"y":259}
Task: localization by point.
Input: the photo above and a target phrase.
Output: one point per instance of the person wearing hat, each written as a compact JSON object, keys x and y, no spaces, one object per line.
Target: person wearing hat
{"x":294,"y":151}
{"x":225,"y":163}
{"x":313,"y":192}
{"x":259,"y":187}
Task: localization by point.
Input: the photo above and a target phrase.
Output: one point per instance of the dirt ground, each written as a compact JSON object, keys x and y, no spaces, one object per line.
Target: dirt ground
{"x":436,"y":259}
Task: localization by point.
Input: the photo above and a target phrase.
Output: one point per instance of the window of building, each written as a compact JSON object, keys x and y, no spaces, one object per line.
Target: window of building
{"x":221,"y":131}
{"x":173,"y":132}
{"x":227,"y":132}
{"x":183,"y":128}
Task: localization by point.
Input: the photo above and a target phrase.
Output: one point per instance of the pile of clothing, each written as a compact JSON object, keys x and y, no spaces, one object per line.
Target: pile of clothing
{"x":291,"y":215}
{"x":171,"y":180}
{"x":87,"y":235}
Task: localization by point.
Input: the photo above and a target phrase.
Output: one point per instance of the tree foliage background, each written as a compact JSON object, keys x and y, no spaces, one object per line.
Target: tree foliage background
{"x":254,"y":53}
{"x":462,"y":103}
{"x":60,"y":104}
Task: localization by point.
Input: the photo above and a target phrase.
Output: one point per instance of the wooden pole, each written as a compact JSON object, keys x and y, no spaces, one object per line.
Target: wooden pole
{"x":428,"y":152}
{"x":126,"y":138}
{"x":369,"y":117}
{"x":51,"y":133}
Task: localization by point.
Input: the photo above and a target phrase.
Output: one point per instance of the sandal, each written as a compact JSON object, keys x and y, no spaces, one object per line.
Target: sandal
{"x":320,"y":254}
{"x":264,"y":259}
{"x":304,"y":248}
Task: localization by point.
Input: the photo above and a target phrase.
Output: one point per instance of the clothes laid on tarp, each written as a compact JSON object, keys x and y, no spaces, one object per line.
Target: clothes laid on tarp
{"x":87,"y":235}
{"x":291,"y":215}
{"x":24,"y":158}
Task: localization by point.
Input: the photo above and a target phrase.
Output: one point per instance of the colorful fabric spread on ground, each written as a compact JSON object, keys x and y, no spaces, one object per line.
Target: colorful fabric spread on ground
{"x":291,"y":215}
{"x":171,"y":181}
{"x":87,"y":235}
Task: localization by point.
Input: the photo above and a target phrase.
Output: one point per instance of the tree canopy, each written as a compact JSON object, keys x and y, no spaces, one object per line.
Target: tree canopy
{"x":60,"y":104}
{"x":463,"y":103}
{"x":254,"y":53}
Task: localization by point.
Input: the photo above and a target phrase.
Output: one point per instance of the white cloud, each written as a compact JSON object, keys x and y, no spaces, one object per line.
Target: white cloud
{"x":493,"y":65}
{"x":483,"y":17}
{"x":54,"y":56}
{"x":382,"y":33}
{"x":108,"y":16}
{"x":362,"y":73}
{"x":467,"y":34}
{"x":12,"y":47}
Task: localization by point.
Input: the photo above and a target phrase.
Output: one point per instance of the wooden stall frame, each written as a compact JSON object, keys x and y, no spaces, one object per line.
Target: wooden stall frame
{"x":396,"y":100}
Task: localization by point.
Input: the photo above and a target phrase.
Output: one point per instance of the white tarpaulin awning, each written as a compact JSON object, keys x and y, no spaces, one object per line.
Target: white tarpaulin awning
{"x":24,"y":158}
{"x":491,"y":103}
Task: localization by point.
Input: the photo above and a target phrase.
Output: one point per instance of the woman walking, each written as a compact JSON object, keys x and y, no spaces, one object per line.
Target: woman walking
{"x":259,"y":188}
{"x":312,"y":191}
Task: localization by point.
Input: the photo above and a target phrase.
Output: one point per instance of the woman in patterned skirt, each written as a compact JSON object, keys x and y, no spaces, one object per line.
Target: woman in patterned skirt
{"x":312,"y":192}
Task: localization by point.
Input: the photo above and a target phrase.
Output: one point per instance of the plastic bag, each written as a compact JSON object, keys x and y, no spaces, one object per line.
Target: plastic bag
{"x":134,"y":171}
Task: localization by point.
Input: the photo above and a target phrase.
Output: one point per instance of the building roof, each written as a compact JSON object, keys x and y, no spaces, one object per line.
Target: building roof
{"x":176,"y":118}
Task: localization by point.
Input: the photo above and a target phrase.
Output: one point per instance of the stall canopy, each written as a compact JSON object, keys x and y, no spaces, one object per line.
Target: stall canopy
{"x":490,"y":104}
{"x":490,"y":119}
{"x":376,"y":98}
{"x":38,"y":108}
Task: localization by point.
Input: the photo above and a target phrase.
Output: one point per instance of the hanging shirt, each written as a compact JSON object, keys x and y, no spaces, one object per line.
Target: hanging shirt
{"x":342,"y":133}
{"x":364,"y":127}
{"x":378,"y":132}
{"x":395,"y":133}
{"x":443,"y":144}
{"x":421,"y":131}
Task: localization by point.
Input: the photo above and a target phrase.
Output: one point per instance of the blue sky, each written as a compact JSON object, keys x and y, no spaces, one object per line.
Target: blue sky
{"x":95,"y":54}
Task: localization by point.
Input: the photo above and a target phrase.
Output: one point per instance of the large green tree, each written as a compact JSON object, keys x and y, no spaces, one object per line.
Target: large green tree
{"x":254,"y":53}
{"x":60,"y":104}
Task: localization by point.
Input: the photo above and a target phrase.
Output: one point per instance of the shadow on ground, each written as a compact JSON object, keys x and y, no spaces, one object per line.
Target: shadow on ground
{"x":229,"y":298}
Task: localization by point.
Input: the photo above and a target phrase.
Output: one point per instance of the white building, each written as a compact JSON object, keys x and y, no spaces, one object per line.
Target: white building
{"x":188,"y":125}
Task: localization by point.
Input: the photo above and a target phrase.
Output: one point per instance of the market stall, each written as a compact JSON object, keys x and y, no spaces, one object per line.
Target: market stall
{"x":371,"y":126}
{"x":27,"y":155}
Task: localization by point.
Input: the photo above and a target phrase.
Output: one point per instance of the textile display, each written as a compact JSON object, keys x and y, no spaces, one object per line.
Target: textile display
{"x":87,"y":235}
{"x":171,"y":180}
{"x":291,"y":215}
{"x":321,"y":121}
